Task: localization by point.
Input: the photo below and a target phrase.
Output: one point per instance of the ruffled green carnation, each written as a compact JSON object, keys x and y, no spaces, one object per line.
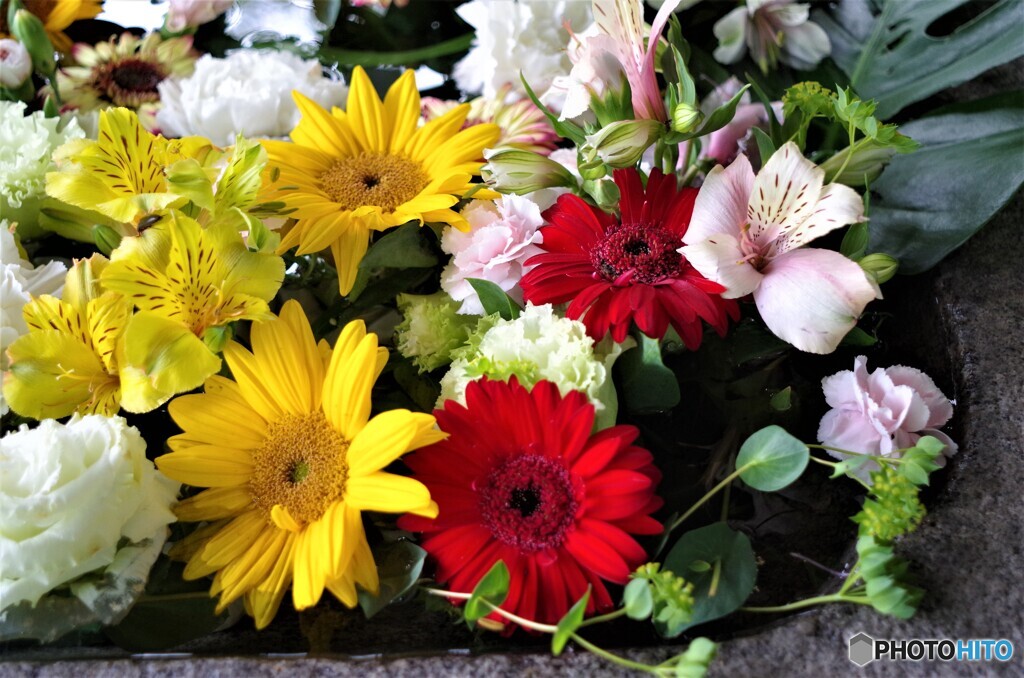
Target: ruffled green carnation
{"x":538,"y":345}
{"x":431,"y":329}
{"x":27,"y":143}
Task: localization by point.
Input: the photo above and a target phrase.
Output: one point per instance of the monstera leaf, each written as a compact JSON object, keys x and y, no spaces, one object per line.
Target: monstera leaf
{"x":885,"y":47}
{"x":928,"y":203}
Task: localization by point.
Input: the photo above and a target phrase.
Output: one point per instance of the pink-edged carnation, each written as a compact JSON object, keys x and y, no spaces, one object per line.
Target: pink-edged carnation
{"x":619,"y":270}
{"x":883,"y":412}
{"x":502,"y":235}
{"x":748,"y":232}
{"x":521,"y":479}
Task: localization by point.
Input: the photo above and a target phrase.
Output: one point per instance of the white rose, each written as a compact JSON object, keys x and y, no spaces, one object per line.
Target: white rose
{"x":249,"y":93}
{"x":15,"y":63}
{"x":69,"y":494}
{"x":19,"y":282}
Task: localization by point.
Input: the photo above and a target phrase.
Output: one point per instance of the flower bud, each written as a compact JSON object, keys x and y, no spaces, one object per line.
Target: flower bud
{"x":881,"y":267}
{"x":865,"y":165}
{"x":15,"y":63}
{"x":686,"y":117}
{"x":622,"y":144}
{"x":29,"y":30}
{"x":605,"y":193}
{"x":511,"y":170}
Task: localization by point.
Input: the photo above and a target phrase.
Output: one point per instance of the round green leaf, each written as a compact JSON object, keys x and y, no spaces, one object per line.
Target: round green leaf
{"x":771,"y":459}
{"x":724,"y":586}
{"x":637,"y":599}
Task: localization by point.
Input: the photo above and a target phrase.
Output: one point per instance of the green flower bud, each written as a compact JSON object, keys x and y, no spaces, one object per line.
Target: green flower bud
{"x":622,"y":144}
{"x":686,"y":117}
{"x":894,"y":508}
{"x":593,"y":169}
{"x":605,"y":193}
{"x":881,"y":267}
{"x":217,"y":337}
{"x":106,"y":238}
{"x":511,"y":170}
{"x":31,"y":33}
{"x":865,"y":165}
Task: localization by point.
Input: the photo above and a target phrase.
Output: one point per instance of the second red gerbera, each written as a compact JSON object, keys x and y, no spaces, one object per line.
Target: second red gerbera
{"x":617,"y":271}
{"x":522,"y":480}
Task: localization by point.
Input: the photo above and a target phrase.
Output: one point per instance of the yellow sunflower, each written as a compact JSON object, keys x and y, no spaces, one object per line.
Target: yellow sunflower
{"x":348,"y":173}
{"x":292,"y":458}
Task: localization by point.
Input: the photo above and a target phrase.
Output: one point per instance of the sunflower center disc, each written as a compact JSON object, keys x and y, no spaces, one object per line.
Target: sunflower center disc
{"x":529,"y":502}
{"x":300,"y":466}
{"x":381,"y":180}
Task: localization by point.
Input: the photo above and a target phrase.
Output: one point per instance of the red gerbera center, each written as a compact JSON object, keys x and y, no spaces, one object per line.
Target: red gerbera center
{"x":644,"y":253}
{"x":528,"y":502}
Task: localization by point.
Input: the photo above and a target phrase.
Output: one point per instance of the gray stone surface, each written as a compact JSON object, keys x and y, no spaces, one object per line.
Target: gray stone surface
{"x":968,"y":552}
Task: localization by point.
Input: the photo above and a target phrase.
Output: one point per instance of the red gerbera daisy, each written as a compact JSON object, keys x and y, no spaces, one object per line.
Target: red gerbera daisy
{"x":521,"y":479}
{"x":615,"y":271}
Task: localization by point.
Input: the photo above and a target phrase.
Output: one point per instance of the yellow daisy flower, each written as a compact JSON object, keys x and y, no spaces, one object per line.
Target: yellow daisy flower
{"x":348,"y":173}
{"x":292,"y":458}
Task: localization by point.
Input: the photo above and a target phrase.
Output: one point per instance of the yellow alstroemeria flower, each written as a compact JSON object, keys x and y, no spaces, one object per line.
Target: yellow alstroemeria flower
{"x":186,"y":281}
{"x":292,"y":458}
{"x":369,"y":168}
{"x":121,"y":174}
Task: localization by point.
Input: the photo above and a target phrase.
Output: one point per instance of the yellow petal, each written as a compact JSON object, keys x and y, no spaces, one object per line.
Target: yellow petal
{"x":212,"y":419}
{"x":387,"y":493}
{"x":207,"y":466}
{"x":349,"y":380}
{"x":366,"y":113}
{"x":430,"y":136}
{"x":264,"y":601}
{"x":317,"y":129}
{"x":402,"y":111}
{"x":308,"y":573}
{"x":285,"y":352}
{"x":253,"y":384}
{"x":214,"y":504}
{"x":283,"y":519}
{"x":385,"y":438}
{"x":348,"y":250}
{"x":230,"y":543}
{"x":254,"y":566}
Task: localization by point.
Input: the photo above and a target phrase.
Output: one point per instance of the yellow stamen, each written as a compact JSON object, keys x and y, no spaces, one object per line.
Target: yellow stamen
{"x":300,"y":466}
{"x":385,"y":181}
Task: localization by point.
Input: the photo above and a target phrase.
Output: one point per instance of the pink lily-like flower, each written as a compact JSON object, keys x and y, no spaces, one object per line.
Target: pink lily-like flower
{"x":623,"y":22}
{"x":746,"y":233}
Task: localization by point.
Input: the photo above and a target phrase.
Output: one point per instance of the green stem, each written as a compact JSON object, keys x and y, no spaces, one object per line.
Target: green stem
{"x":363,"y":58}
{"x":808,"y":602}
{"x":614,"y":658}
{"x":870,"y":50}
{"x":614,"y":614}
{"x":195,"y":595}
{"x":849,"y":153}
{"x":728,"y":479}
{"x":823,"y":462}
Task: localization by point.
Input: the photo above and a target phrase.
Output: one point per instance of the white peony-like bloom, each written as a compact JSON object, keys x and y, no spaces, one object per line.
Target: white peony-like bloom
{"x":19,"y":282}
{"x":525,"y":35}
{"x":27,"y":143}
{"x":249,"y":92}
{"x":69,"y":495}
{"x":538,"y":345}
{"x":502,"y":235}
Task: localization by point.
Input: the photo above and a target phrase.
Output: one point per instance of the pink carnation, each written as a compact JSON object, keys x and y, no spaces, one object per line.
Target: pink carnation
{"x":502,"y":235}
{"x":883,"y":412}
{"x":182,"y":14}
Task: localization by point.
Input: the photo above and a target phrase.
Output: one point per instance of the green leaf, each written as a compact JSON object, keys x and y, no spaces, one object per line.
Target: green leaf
{"x":765,"y":145}
{"x":858,"y":337}
{"x":492,"y":588}
{"x":718,"y":119}
{"x":403,"y":247}
{"x":638,"y":600}
{"x":695,"y":661}
{"x":919,"y":461}
{"x":494,"y":299}
{"x":359,"y":57}
{"x":771,"y":459}
{"x":399,"y":565}
{"x":928,"y":203}
{"x":172,"y":611}
{"x":783,"y":400}
{"x":647,"y":385}
{"x":564,"y":128}
{"x":889,"y":56}
{"x":722,"y":588}
{"x":568,"y":624}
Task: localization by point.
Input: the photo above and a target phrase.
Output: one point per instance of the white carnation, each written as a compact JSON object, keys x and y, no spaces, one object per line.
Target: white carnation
{"x":27,"y":143}
{"x":69,"y":494}
{"x":538,"y":345}
{"x":249,"y":92}
{"x":527,"y":36}
{"x":19,"y":282}
{"x":502,"y":236}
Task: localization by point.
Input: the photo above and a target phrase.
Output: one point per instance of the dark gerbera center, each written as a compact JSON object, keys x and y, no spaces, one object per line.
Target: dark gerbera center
{"x":528,"y":502}
{"x":382,"y":180}
{"x":644,"y":253}
{"x":129,"y":82}
{"x":301,"y":466}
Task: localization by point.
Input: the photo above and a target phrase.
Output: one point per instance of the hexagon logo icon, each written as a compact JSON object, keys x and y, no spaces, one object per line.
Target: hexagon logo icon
{"x":862,"y":649}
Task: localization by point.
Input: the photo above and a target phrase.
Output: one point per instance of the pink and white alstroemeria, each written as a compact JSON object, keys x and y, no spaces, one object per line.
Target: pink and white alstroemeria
{"x":620,"y":32}
{"x":746,"y":233}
